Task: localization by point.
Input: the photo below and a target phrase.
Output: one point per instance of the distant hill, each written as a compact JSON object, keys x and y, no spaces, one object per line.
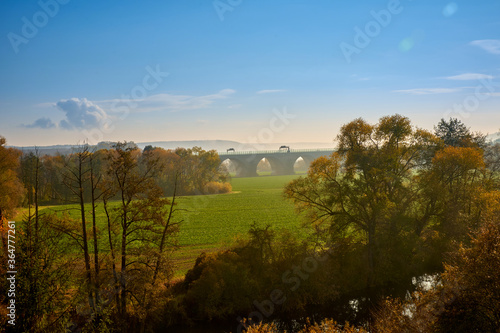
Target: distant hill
{"x":223,"y":145}
{"x":219,"y":145}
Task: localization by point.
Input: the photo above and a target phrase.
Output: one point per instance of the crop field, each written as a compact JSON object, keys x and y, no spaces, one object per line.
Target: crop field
{"x":214,"y":222}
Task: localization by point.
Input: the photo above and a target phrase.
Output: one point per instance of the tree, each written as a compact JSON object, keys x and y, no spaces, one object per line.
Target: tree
{"x":144,"y":224}
{"x":195,"y":171}
{"x":75,"y":176}
{"x":390,"y":202}
{"x":366,"y":195}
{"x":458,"y":177}
{"x":492,"y":158}
{"x":44,"y":264}
{"x":11,"y":192}
{"x":465,"y":298}
{"x":455,"y":133}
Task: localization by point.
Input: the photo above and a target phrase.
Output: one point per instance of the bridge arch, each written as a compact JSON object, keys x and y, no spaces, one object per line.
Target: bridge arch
{"x":300,"y":165}
{"x":282,"y":162}
{"x":241,"y":167}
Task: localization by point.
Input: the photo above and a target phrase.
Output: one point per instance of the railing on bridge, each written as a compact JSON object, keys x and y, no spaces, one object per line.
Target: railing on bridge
{"x":282,"y":151}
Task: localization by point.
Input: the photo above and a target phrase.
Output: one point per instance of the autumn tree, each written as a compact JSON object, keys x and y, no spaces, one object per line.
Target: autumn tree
{"x":11,"y":188}
{"x":391,"y":201}
{"x":75,"y":175}
{"x":365,"y":194}
{"x":80,"y":176}
{"x":194,"y":170}
{"x":11,"y":194}
{"x":143,"y":222}
{"x":198,"y":168}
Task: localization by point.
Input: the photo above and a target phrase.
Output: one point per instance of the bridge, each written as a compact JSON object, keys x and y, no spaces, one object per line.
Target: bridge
{"x":282,"y":161}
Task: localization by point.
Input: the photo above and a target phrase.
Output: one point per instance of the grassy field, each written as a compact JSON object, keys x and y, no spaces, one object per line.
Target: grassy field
{"x":213,"y":222}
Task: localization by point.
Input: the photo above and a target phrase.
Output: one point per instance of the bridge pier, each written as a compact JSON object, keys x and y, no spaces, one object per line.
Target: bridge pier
{"x":282,"y":166}
{"x":248,"y":169}
{"x":245,"y":165}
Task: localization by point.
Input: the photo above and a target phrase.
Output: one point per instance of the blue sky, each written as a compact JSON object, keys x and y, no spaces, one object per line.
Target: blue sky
{"x":266,"y":71}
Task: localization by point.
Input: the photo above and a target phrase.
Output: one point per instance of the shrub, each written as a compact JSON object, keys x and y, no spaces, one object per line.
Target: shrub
{"x":216,"y":188}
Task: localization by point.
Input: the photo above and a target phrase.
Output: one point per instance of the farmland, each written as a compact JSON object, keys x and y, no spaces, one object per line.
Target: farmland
{"x":213,"y":222}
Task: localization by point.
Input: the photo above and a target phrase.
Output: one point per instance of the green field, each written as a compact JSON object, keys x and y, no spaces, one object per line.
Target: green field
{"x":213,"y":222}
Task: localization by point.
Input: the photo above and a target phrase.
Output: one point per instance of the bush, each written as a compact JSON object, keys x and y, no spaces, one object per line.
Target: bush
{"x":216,"y":188}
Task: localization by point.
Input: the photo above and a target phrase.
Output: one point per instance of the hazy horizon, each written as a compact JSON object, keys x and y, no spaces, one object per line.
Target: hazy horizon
{"x":265,"y":72}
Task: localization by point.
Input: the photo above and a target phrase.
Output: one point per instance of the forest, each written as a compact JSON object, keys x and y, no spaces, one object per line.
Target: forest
{"x":403,"y":235}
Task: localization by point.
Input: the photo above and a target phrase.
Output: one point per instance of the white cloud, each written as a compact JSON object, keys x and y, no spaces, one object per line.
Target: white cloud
{"x":489,"y":45}
{"x":166,"y":102}
{"x":469,"y":76}
{"x":428,"y":91}
{"x":495,"y":94}
{"x":270,"y":91}
{"x":81,"y":113}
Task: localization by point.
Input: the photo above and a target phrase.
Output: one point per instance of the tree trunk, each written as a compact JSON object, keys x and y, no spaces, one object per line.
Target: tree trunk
{"x":94,"y":234}
{"x":84,"y":233}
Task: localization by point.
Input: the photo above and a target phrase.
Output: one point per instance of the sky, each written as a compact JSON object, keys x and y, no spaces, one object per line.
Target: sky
{"x":250,"y":71}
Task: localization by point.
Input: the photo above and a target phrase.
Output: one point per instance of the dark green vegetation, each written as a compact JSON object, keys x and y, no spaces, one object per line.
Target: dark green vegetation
{"x":394,"y":205}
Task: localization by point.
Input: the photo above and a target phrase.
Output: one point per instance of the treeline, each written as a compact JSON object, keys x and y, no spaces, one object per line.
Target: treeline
{"x":197,"y":172}
{"x":90,"y":273}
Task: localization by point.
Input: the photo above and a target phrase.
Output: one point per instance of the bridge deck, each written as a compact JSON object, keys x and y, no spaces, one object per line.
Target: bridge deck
{"x":282,"y":151}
